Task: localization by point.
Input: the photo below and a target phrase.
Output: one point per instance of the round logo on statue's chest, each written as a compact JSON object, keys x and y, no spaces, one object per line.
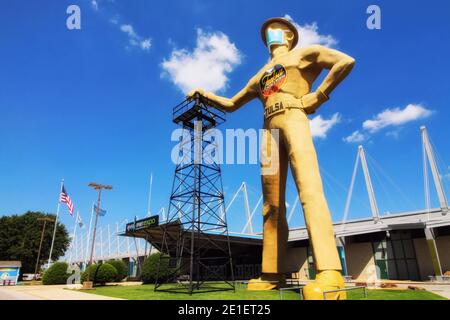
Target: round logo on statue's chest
{"x":272,"y":80}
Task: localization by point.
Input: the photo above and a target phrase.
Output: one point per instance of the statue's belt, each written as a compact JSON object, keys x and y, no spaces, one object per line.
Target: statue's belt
{"x":279,"y":107}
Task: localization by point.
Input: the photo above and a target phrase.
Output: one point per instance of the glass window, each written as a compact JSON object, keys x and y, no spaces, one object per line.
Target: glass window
{"x":380,"y":245}
{"x":392,"y":269}
{"x":409,"y":249}
{"x":398,"y":249}
{"x":390,"y":251}
{"x":395,"y":235}
{"x":412,"y":269}
{"x":402,"y":270}
{"x":396,"y":256}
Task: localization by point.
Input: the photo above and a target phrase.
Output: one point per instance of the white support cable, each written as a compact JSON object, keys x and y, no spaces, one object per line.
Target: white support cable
{"x":350,"y":191}
{"x":248,"y":228}
{"x":440,"y":161}
{"x":355,"y":197}
{"x":81,"y":248}
{"x":435,"y":171}
{"x":328,"y":185}
{"x":128,"y":244}
{"x":109,"y":242}
{"x":232,"y":200}
{"x":426,"y":184}
{"x":378,"y":179}
{"x":76,"y":246}
{"x":377,"y":166}
{"x":256,"y":207}
{"x":369,"y":186}
{"x":117,"y":239}
{"x":89,"y":235}
{"x":74,"y":236}
{"x":294,"y":206}
{"x":101,"y":242}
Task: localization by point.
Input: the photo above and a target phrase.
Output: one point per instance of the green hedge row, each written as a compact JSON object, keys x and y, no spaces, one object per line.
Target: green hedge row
{"x":150,"y":268}
{"x":112,"y":271}
{"x":56,"y":274}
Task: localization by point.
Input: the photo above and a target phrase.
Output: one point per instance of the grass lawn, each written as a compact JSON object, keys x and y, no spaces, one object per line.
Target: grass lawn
{"x":145,"y":292}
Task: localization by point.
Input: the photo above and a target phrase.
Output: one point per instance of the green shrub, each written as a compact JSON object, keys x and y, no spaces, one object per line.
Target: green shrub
{"x":101,"y":273}
{"x":56,"y":274}
{"x":150,"y":268}
{"x":121,"y":268}
{"x":84,"y":276}
{"x":106,"y":273}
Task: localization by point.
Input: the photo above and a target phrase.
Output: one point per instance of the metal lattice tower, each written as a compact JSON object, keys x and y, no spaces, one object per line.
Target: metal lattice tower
{"x":195,"y":236}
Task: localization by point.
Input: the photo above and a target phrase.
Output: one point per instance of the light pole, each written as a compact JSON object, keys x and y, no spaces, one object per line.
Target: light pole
{"x":88,"y":284}
{"x":46,"y":219}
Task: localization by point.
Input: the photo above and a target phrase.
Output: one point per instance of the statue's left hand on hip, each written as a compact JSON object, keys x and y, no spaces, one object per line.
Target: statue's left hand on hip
{"x":311,"y":102}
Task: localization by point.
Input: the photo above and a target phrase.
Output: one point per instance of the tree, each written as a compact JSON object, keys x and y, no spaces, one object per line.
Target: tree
{"x":121,"y":267}
{"x":56,"y":274}
{"x":20,"y":236}
{"x":150,"y":268}
{"x":100,"y":274}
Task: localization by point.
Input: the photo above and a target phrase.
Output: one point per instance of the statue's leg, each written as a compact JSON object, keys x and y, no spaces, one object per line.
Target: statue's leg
{"x":275,"y":226}
{"x":305,"y":169}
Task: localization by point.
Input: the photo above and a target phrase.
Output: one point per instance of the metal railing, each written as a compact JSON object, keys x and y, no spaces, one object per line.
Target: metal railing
{"x":345,"y":289}
{"x":299,"y":288}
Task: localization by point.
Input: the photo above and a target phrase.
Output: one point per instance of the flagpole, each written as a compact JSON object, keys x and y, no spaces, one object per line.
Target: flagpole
{"x":81,"y":247}
{"x":109,"y":243}
{"x":117,"y":239}
{"x":150,"y":195}
{"x":99,"y":187}
{"x":76,"y":248}
{"x":101,"y":243}
{"x":73,"y":237}
{"x":56,"y":224}
{"x":89,"y":235}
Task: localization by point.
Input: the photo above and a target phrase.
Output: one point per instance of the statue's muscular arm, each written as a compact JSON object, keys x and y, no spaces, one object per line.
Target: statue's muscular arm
{"x":244,"y":96}
{"x":339,"y":65}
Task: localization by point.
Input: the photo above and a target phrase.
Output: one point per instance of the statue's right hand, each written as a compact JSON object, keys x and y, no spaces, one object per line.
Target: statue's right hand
{"x":192,"y":93}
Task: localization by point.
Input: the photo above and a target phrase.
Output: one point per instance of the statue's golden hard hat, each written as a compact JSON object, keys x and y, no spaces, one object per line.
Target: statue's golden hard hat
{"x":284,"y":21}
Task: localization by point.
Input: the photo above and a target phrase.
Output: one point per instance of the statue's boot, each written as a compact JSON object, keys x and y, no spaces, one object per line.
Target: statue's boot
{"x":325,"y":280}
{"x":267,"y":281}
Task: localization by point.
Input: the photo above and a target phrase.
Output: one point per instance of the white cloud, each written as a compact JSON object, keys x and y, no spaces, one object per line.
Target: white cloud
{"x":355,"y":137}
{"x":135,"y":39}
{"x":320,"y":126}
{"x":396,"y":116}
{"x":94,"y":5}
{"x":128,"y":29}
{"x":309,"y":35}
{"x":207,"y":66}
{"x":447,"y":174}
{"x":146,"y":44}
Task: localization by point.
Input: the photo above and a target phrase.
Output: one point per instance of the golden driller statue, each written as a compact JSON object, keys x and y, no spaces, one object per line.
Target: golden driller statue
{"x":284,"y":87}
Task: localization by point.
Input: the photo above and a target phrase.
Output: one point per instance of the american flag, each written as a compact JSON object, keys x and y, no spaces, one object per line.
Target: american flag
{"x":64,"y":198}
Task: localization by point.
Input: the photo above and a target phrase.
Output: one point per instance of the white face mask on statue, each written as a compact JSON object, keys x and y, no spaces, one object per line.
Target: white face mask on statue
{"x":275,"y":37}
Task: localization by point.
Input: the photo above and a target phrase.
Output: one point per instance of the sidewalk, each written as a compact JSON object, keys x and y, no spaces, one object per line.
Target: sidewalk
{"x":439,"y":289}
{"x":58,"y":292}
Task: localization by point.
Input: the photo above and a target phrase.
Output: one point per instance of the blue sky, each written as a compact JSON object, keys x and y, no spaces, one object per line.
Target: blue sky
{"x":95,"y":104}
